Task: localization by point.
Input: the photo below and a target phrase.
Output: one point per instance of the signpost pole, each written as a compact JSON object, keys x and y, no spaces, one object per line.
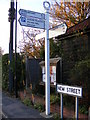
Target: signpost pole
{"x":47,"y":64}
{"x":61,"y":93}
{"x":76,"y":108}
{"x":16,"y":93}
{"x":11,"y":20}
{"x":61,"y":106}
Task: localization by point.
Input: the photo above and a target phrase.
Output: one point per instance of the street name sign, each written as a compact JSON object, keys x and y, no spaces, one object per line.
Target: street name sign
{"x":28,"y":13}
{"x":70,"y":90}
{"x":31,"y":22}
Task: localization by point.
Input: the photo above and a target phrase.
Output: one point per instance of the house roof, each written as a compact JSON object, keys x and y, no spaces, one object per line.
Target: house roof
{"x":84,"y":25}
{"x":53,"y":61}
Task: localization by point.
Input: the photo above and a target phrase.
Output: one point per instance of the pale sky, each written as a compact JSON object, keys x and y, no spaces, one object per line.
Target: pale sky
{"x":33,"y":5}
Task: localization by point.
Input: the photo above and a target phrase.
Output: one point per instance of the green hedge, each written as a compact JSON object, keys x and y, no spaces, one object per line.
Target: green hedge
{"x":80,"y":76}
{"x":19,"y":70}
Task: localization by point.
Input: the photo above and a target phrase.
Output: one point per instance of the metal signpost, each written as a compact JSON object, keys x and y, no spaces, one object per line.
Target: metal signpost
{"x":47,"y":64}
{"x":39,"y":20}
{"x":32,"y":19}
{"x":32,"y":22}
{"x":28,"y":13}
{"x":70,"y":90}
{"x":53,"y":32}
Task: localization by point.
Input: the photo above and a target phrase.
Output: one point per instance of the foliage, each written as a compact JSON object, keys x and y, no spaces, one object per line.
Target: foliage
{"x":22,"y":78}
{"x":55,"y":48}
{"x":83,"y":109}
{"x":39,"y":89}
{"x":27,"y":102}
{"x":36,"y":49}
{"x":80,"y":76}
{"x":39,"y":106}
{"x":80,"y":73}
{"x":68,"y":101}
{"x":5,"y":71}
{"x":56,"y":116}
{"x":73,"y":49}
{"x":29,"y":46}
{"x":69,"y":12}
{"x":54,"y":99}
{"x":42,"y":52}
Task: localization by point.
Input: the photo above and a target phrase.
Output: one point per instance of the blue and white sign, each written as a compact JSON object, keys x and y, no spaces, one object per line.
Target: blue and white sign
{"x":31,"y":22}
{"x":28,"y":13}
{"x":73,"y":91}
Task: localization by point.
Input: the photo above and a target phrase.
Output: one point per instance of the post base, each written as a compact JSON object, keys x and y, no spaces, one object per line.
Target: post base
{"x":43,"y":114}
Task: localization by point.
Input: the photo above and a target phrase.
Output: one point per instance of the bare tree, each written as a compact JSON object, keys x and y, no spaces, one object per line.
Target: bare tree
{"x":28,"y":45}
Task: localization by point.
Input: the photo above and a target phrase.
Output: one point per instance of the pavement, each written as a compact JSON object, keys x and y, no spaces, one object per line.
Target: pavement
{"x":14,"y":108}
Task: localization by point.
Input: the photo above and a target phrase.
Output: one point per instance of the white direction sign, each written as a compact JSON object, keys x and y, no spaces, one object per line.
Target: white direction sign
{"x":73,"y":91}
{"x":31,"y":22}
{"x":53,"y":32}
{"x":28,"y":13}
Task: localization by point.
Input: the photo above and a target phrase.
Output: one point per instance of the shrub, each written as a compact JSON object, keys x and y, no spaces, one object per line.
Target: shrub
{"x":83,"y":109}
{"x":80,"y":73}
{"x":68,"y":101}
{"x":56,"y":116}
{"x":39,"y":89}
{"x":54,"y":99}
{"x":39,"y":106}
{"x":5,"y":71}
{"x":80,"y":76}
{"x":27,"y":102}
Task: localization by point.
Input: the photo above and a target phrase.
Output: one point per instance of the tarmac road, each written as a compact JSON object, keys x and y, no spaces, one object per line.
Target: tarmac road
{"x":13,"y":108}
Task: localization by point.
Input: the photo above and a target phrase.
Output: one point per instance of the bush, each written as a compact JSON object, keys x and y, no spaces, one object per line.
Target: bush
{"x":80,"y":73}
{"x":54,"y":99}
{"x":39,"y":106}
{"x":39,"y":89}
{"x":83,"y":109}
{"x":5,"y":71}
{"x":27,"y":102}
{"x":68,"y":101}
{"x":80,"y":76}
{"x":56,"y":116}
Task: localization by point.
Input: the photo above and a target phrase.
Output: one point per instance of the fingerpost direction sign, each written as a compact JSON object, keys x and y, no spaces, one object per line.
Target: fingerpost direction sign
{"x":31,"y":22}
{"x":32,"y":19}
{"x":28,"y":13}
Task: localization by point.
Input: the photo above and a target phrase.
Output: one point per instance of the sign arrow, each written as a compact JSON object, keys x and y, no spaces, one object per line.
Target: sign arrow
{"x":31,"y":22}
{"x":29,"y":13}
